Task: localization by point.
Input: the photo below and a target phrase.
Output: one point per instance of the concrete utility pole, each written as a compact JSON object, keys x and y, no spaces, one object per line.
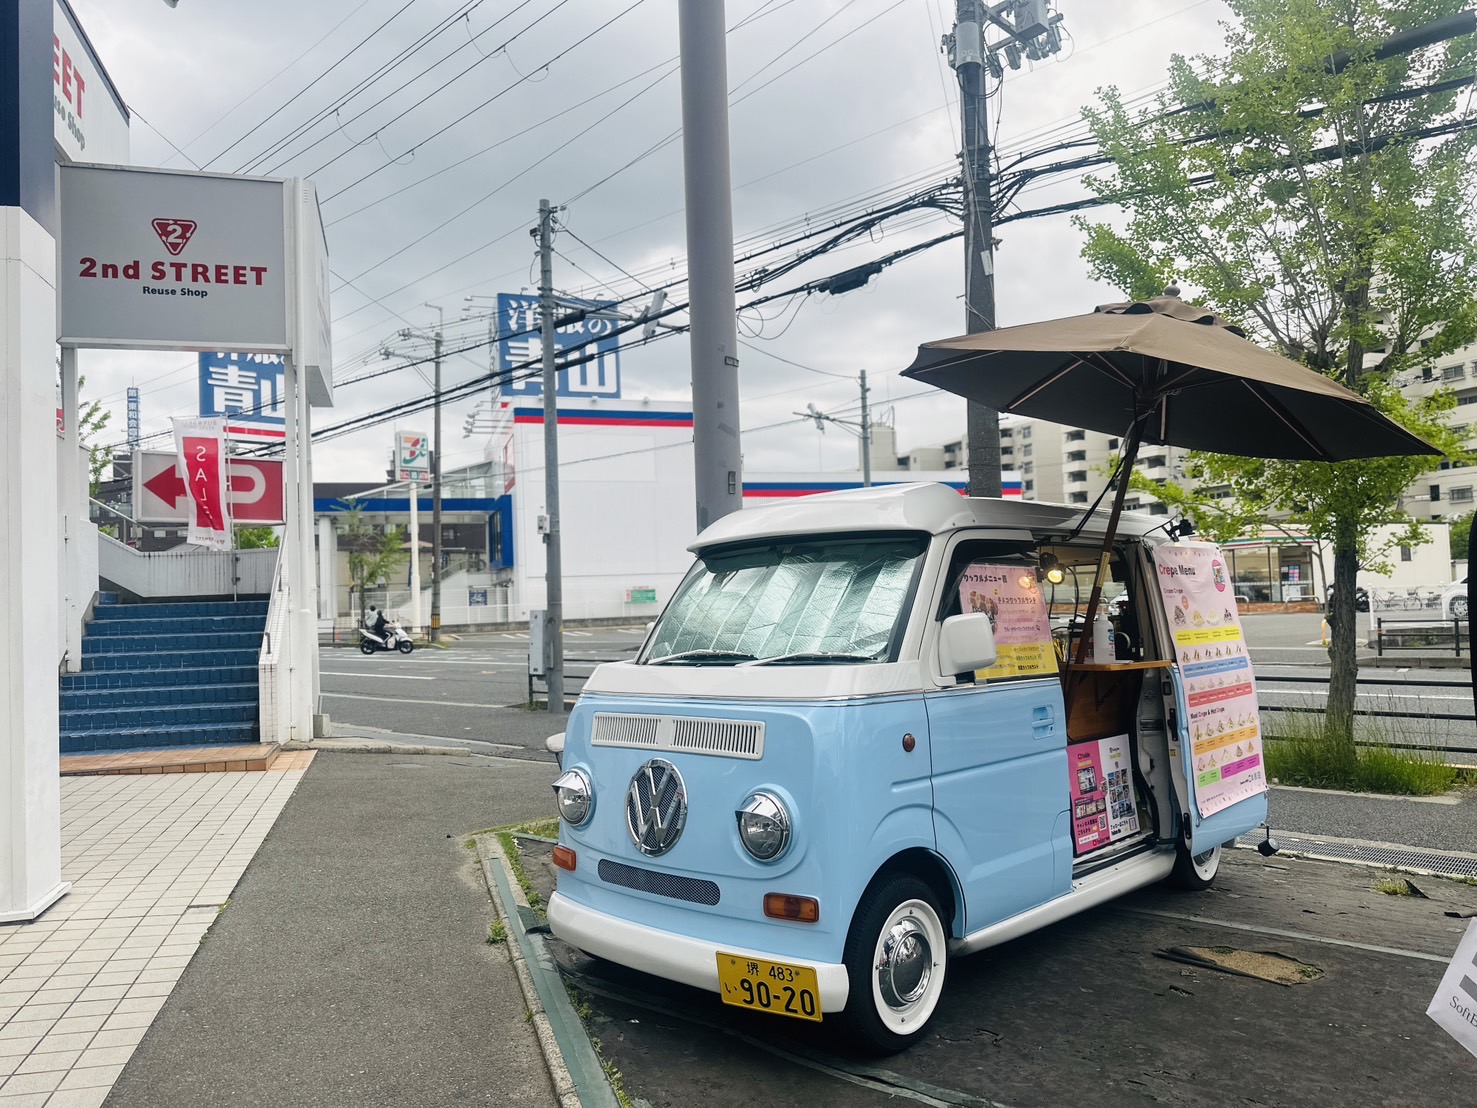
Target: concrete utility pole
{"x":1029,"y":29}
{"x":862,"y":428}
{"x":436,"y":486}
{"x":553,"y":561}
{"x":717,"y":458}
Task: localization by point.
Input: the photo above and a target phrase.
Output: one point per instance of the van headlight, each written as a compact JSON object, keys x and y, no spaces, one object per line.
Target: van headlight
{"x":763,"y":826}
{"x":575,"y":797}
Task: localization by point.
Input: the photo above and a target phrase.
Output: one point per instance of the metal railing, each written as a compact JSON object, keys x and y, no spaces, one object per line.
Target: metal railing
{"x":538,"y":685}
{"x":1421,"y":634}
{"x":1393,"y":688}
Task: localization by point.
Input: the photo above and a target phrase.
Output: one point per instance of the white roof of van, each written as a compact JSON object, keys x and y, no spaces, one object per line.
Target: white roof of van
{"x":929,"y":507}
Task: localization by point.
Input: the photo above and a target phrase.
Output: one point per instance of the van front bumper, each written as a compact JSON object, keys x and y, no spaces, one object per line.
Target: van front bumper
{"x":674,"y":957}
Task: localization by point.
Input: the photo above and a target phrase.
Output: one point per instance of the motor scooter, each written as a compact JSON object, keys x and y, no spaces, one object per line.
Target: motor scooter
{"x":394,"y":638}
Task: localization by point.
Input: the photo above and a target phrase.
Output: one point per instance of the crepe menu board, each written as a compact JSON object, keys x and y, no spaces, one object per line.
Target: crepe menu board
{"x":1011,"y":596}
{"x":1101,"y":790}
{"x":1224,"y":720}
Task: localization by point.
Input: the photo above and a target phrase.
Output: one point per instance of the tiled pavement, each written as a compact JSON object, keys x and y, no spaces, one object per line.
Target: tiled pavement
{"x":152,"y":858}
{"x":208,"y":759}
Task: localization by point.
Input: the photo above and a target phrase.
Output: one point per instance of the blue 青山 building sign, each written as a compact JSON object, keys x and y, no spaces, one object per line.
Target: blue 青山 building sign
{"x":246,"y":388}
{"x":519,"y":344}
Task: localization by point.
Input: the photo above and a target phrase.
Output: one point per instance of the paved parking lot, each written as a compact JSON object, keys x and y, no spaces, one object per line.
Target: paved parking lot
{"x":1088,"y":1011}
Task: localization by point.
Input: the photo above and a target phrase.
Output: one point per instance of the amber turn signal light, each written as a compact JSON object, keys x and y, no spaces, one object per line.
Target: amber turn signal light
{"x":564,"y":858}
{"x":801,"y":909}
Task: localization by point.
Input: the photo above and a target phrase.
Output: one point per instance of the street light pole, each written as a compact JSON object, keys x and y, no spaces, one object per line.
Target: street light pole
{"x":553,"y":561}
{"x":436,"y":486}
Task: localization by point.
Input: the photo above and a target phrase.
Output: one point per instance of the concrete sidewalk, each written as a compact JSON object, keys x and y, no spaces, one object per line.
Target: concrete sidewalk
{"x":223,"y":944}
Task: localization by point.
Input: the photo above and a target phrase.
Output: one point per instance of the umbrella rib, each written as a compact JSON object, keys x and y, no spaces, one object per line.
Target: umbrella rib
{"x":1053,"y":379}
{"x":1277,"y":410}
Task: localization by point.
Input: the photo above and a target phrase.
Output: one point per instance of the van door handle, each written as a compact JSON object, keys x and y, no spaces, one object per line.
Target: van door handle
{"x":1043,"y":722}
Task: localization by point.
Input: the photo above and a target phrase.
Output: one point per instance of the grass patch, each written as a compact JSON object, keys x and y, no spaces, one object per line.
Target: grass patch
{"x":515,"y":863}
{"x":1391,"y":887}
{"x":1305,"y":754}
{"x":539,"y":828}
{"x":498,"y":933}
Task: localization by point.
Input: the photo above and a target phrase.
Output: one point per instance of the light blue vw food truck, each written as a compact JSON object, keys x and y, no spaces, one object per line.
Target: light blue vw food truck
{"x":855,"y":745}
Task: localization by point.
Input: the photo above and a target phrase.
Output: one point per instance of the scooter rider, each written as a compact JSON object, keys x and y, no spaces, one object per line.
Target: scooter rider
{"x":375,"y":620}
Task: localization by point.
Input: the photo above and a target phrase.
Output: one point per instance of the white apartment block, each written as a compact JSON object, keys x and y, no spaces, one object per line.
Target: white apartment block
{"x":1061,"y":465}
{"x":1447,"y":490}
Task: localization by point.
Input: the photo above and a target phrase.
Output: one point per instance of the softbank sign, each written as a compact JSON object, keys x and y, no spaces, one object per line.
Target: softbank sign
{"x":163,"y":260}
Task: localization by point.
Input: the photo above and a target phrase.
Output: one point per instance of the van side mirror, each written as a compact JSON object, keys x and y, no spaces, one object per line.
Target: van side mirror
{"x":966,"y":643}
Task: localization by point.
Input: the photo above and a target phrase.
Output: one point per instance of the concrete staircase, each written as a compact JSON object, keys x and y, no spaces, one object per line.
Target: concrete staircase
{"x":165,"y":674}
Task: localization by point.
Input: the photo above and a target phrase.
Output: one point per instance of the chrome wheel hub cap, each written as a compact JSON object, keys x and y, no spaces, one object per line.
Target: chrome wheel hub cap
{"x":904,"y":964}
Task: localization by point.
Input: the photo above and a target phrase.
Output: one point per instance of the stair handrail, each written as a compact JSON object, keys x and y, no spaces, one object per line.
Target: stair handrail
{"x":274,"y":663}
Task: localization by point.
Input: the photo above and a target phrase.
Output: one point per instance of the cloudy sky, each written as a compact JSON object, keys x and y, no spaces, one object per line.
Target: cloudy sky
{"x":434,"y":127}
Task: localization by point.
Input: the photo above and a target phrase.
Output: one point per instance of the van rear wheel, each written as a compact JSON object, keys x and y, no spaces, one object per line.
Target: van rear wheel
{"x":896,"y":956}
{"x":1195,"y":872}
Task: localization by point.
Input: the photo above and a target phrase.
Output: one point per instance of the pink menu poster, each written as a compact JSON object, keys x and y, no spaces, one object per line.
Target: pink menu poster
{"x":1011,"y":596}
{"x":1101,"y":790}
{"x":1224,"y":720}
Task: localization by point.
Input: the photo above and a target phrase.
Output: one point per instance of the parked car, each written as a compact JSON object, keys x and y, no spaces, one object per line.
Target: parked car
{"x":1454,"y":600}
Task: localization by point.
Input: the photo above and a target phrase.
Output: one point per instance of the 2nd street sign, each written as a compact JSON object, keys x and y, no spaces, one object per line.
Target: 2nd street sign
{"x":159,"y":493}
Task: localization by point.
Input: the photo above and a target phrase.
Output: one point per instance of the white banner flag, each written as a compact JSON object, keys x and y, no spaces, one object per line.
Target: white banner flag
{"x":200,"y":445}
{"x":1454,"y":1006}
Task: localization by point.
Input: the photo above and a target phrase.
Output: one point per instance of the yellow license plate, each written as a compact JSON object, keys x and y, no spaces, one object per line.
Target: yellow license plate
{"x":776,"y":987}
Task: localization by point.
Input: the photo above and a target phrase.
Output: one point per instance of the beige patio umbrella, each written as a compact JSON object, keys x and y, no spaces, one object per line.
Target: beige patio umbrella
{"x":1162,"y":371}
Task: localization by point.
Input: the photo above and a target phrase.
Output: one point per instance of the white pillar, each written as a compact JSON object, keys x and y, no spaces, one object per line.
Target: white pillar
{"x":73,"y":499}
{"x":30,"y":792}
{"x":303,"y":654}
{"x":415,"y":559}
{"x":306,"y":601}
{"x":327,"y":569}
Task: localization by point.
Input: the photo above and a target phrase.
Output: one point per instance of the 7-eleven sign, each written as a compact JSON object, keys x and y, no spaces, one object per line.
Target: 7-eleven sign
{"x":412,"y":456}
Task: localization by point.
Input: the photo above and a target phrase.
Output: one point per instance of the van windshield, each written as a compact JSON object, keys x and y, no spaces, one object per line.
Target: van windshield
{"x":825,"y":601}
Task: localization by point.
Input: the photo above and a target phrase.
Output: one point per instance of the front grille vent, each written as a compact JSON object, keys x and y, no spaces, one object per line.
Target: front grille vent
{"x":727,"y":738}
{"x":690,"y":889}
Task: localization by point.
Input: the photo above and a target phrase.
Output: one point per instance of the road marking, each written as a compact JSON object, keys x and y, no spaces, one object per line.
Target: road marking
{"x":376,"y":676}
{"x":402,"y":700}
{"x":1285,"y":934}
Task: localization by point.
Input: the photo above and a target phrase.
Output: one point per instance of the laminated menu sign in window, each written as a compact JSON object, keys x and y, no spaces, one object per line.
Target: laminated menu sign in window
{"x":1103,"y":808}
{"x":1011,"y":596}
{"x":1223,"y":720}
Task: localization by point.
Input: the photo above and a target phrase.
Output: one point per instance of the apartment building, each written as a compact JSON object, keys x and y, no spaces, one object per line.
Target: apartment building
{"x":1447,"y":490}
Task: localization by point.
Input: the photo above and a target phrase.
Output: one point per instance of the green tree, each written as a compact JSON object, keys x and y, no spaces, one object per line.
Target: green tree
{"x":373,"y":554}
{"x":256,"y":538}
{"x":1461,"y":534}
{"x":92,"y":417}
{"x":1326,"y":207}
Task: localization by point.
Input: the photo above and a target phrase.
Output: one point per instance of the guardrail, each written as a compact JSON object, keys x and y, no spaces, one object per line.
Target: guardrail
{"x":538,"y":685}
{"x":1421,"y":634}
{"x":1393,"y":687}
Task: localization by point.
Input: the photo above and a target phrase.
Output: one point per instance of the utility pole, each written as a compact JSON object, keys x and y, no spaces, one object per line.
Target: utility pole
{"x":436,"y":486}
{"x":861,"y":428}
{"x":717,"y":458}
{"x":1029,"y":29}
{"x":553,"y":561}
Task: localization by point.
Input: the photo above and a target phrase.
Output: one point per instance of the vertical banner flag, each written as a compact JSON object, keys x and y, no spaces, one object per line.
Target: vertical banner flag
{"x":200,"y":445}
{"x":1224,"y":720}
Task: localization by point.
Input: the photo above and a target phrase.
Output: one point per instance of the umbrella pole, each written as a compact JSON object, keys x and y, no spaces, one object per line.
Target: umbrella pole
{"x":1130,"y":453}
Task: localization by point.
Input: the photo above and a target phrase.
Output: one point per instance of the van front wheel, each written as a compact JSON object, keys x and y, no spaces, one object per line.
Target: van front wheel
{"x":896,"y":956}
{"x":1195,"y":872}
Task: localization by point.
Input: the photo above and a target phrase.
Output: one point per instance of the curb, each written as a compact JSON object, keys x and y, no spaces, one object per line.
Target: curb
{"x":350,"y":745}
{"x":574,"y":1068}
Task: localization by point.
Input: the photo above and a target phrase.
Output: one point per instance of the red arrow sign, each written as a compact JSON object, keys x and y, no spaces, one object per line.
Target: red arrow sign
{"x":256,"y":493}
{"x":168,"y":486}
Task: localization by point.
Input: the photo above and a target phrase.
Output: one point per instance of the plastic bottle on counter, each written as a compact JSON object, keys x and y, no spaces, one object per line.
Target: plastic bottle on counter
{"x":1102,"y":637}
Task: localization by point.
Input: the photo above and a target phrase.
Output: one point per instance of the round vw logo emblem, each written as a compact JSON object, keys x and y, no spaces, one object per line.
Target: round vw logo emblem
{"x":656,"y":807}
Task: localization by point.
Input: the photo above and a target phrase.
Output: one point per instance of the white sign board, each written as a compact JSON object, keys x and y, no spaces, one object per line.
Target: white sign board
{"x":315,"y":349}
{"x":162,"y":260}
{"x":1454,"y":1006}
{"x":91,"y":122}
